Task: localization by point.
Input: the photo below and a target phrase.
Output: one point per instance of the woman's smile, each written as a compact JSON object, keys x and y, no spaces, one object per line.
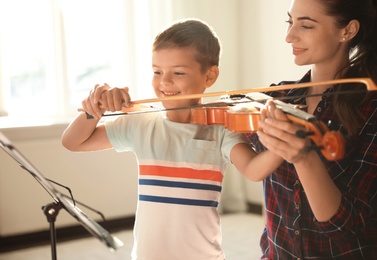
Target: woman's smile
{"x":298,"y":51}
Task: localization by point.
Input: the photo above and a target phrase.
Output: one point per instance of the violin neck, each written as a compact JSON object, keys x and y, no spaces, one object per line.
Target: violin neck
{"x":285,"y":107}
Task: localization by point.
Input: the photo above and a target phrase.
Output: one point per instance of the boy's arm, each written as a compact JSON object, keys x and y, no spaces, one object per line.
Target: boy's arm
{"x":85,"y":135}
{"x":253,"y":166}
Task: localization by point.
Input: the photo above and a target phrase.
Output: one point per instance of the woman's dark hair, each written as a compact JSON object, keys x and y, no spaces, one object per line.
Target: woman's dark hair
{"x":363,"y":56}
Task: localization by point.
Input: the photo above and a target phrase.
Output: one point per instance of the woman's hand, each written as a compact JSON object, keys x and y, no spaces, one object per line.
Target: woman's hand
{"x":278,"y":134}
{"x":103,"y":98}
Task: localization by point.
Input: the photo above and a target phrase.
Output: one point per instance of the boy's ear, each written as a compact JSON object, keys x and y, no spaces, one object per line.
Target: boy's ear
{"x":211,"y":75}
{"x":350,"y":30}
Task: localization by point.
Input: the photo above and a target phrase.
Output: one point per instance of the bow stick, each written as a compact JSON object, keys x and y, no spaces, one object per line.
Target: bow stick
{"x":370,"y":85}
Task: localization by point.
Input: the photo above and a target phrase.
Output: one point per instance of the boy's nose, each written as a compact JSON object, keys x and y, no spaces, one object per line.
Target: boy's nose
{"x":166,"y":80}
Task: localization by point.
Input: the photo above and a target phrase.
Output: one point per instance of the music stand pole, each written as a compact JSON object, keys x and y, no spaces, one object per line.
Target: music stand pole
{"x":51,"y":211}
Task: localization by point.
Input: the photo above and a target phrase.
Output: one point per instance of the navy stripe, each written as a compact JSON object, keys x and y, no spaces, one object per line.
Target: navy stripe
{"x":177,"y":184}
{"x":204,"y":203}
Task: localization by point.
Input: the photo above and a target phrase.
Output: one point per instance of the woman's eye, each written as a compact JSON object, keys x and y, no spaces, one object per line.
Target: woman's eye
{"x":290,"y":24}
{"x":156,"y":72}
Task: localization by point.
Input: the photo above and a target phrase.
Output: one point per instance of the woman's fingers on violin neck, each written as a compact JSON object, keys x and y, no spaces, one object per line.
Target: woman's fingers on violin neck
{"x":284,"y":131}
{"x":270,"y":108}
{"x":275,"y":126}
{"x":290,"y":149}
{"x":280,"y":115}
{"x":273,"y":112}
{"x":263,"y":114}
{"x":272,"y":143}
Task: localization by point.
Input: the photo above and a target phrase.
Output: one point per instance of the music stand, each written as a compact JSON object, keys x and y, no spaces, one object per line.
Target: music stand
{"x":60,"y":201}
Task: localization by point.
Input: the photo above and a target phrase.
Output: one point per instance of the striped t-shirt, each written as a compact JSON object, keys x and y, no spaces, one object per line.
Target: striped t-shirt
{"x":181,"y":168}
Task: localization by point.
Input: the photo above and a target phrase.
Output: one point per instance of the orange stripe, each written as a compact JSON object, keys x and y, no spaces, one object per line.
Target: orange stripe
{"x":181,"y":173}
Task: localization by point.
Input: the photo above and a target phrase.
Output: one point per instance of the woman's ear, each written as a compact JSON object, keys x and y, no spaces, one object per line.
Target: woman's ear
{"x":350,"y":30}
{"x":211,"y":75}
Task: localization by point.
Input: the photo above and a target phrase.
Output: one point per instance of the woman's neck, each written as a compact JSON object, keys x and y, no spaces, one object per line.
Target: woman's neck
{"x":321,"y":73}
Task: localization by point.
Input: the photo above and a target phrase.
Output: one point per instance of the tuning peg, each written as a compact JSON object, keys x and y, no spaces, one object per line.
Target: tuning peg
{"x":303,"y":133}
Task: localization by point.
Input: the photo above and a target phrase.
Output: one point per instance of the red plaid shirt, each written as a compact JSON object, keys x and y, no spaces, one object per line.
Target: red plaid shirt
{"x":292,"y":232}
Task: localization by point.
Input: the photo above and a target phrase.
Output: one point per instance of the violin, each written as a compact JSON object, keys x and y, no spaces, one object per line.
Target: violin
{"x":244,"y":118}
{"x":241,"y":113}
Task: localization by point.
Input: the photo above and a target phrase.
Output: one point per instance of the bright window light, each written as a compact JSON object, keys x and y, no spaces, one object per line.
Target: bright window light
{"x":53,"y":52}
{"x":26,"y":44}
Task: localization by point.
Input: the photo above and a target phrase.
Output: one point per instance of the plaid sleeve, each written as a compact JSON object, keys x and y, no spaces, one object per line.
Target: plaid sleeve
{"x":359,"y":183}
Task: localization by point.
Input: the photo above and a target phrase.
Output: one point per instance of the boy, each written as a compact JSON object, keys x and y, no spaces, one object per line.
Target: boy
{"x":181,"y":165}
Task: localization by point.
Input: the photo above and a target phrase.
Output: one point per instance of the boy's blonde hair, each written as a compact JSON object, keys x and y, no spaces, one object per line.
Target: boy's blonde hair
{"x":194,"y":34}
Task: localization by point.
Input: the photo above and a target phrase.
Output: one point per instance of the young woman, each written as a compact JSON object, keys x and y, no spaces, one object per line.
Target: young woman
{"x":319,"y":209}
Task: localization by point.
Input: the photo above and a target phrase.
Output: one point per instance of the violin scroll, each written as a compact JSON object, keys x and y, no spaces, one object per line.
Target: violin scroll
{"x":330,"y":143}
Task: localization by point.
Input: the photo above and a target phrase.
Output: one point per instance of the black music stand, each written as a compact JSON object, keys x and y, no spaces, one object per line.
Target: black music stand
{"x":60,"y":202}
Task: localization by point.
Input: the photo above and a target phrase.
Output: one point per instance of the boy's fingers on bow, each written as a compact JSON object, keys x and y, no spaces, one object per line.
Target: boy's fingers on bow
{"x":126,"y":99}
{"x":91,"y":108}
{"x":107,"y":100}
{"x":98,"y":91}
{"x":115,"y":98}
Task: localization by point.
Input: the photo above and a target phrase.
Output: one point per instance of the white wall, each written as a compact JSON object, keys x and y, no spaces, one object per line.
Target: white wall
{"x":254,"y":55}
{"x":264,"y":56}
{"x":106,"y":181}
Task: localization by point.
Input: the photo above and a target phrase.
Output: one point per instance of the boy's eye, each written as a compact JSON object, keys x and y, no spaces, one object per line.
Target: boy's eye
{"x":156,"y":72}
{"x":179,"y":73}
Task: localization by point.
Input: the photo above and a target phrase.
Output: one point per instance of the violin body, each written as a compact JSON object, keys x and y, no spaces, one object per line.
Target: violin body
{"x":241,"y":118}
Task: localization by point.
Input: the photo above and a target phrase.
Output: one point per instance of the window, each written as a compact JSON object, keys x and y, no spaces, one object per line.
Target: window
{"x":52,"y":52}
{"x":26,"y":41}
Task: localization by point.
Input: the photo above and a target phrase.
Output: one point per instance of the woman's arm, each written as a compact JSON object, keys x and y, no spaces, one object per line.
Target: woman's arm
{"x":279,"y":137}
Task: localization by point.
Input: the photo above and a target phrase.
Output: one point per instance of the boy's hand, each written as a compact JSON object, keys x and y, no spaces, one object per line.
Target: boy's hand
{"x":102,"y":98}
{"x":114,"y":99}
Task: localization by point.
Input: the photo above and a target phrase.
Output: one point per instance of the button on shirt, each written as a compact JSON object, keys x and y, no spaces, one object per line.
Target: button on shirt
{"x":292,"y":232}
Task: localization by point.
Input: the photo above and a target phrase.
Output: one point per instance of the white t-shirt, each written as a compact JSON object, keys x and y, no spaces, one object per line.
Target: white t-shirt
{"x":181,"y":169}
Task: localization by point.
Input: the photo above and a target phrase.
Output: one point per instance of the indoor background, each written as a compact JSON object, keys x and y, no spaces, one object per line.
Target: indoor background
{"x":53,"y":52}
